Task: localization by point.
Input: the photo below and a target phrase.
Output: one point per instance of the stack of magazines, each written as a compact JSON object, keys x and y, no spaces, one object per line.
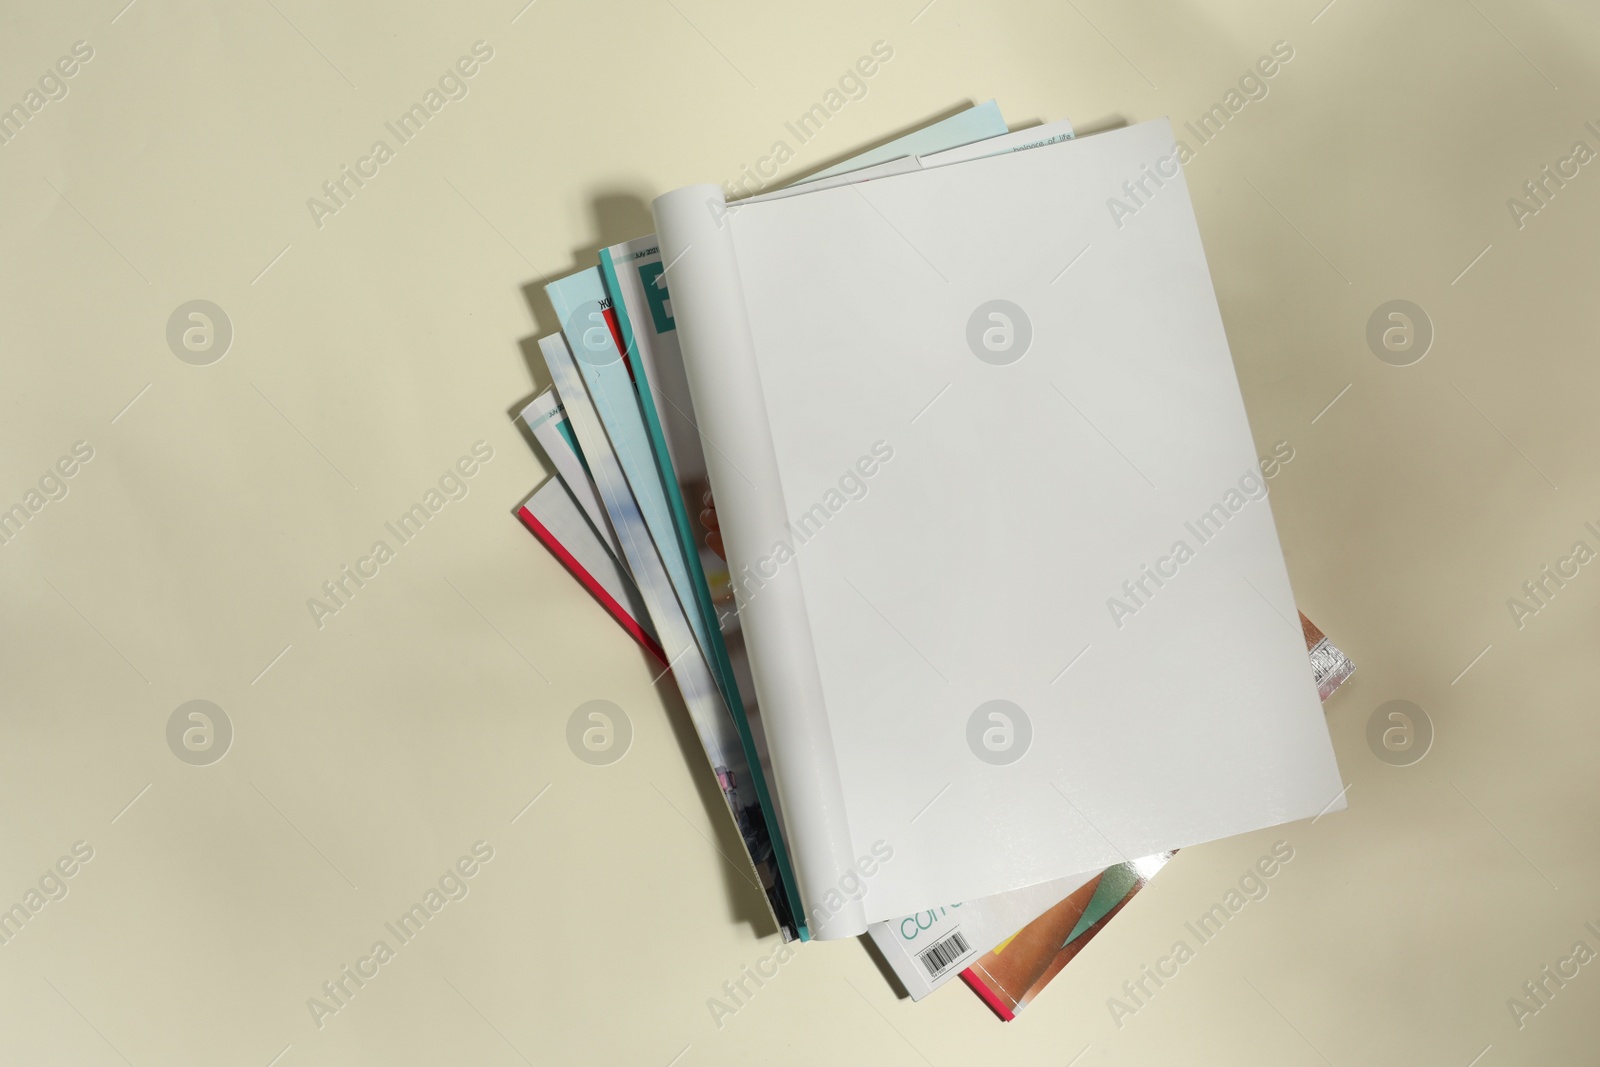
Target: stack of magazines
{"x":928,"y":480}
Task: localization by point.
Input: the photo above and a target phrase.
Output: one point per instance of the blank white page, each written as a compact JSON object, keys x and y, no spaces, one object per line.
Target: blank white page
{"x":979,"y":562}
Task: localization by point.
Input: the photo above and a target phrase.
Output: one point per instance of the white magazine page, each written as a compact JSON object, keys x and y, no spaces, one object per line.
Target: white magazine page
{"x":903,"y":165}
{"x":1020,"y":141}
{"x":545,"y":417}
{"x":999,"y":695}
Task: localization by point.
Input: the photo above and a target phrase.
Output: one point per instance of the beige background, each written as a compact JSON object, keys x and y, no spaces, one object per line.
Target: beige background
{"x":370,"y":353}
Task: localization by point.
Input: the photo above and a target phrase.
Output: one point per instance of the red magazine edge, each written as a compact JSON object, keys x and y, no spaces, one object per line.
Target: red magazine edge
{"x":607,"y":601}
{"x":977,"y":985}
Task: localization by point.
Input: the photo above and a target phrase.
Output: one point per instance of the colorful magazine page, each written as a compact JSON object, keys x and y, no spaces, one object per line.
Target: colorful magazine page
{"x":591,"y":329}
{"x":929,"y":948}
{"x":638,"y":306}
{"x":546,"y":418}
{"x":1014,"y":973}
{"x":637,"y":283}
{"x":553,"y":516}
{"x":584,"y":308}
{"x":699,"y":690}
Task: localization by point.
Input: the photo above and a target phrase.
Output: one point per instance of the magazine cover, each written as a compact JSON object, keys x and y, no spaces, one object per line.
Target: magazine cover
{"x":931,"y":947}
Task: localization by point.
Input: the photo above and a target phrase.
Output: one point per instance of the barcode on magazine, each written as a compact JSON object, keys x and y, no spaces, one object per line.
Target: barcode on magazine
{"x":942,"y":955}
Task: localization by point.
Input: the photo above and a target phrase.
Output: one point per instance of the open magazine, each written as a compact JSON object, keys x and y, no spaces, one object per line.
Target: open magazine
{"x":638,"y":410}
{"x":882,"y":611}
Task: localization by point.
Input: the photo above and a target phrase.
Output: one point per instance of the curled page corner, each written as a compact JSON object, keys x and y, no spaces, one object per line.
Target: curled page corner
{"x":725,"y":385}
